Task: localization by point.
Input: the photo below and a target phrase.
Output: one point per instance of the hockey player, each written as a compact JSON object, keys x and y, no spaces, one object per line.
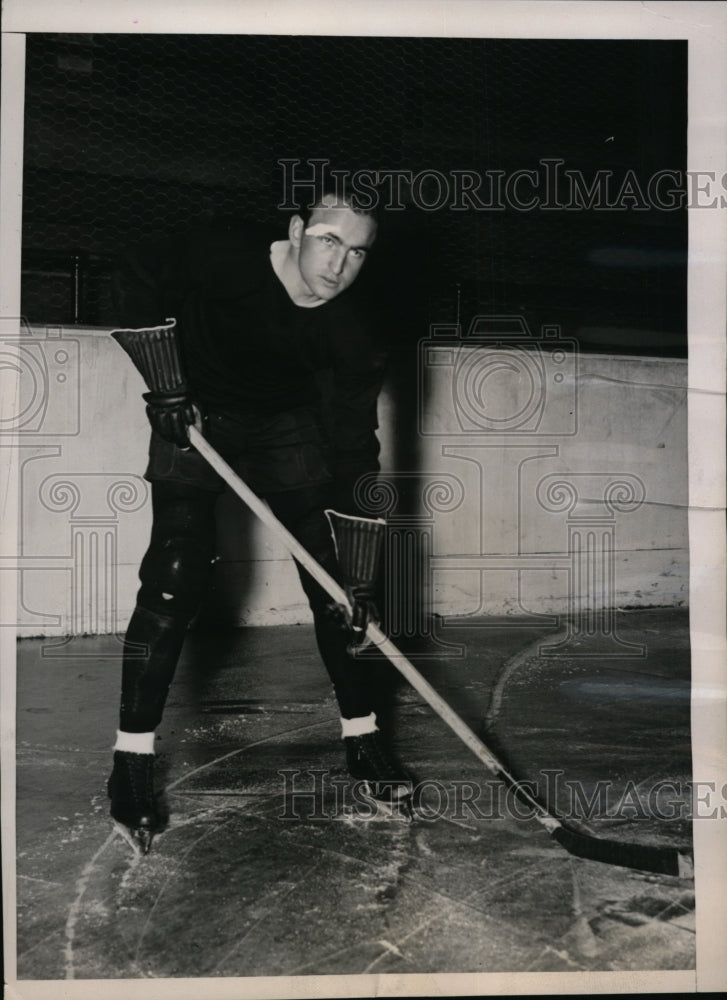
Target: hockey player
{"x":254,"y":320}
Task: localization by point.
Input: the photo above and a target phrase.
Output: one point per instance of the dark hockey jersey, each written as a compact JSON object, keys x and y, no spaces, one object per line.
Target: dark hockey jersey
{"x":247,"y":347}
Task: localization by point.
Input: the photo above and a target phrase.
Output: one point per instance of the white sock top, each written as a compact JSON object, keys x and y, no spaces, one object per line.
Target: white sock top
{"x":359,"y":726}
{"x":134,"y":742}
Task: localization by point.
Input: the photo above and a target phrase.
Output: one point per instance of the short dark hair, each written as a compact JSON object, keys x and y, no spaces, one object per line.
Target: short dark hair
{"x":351,"y":199}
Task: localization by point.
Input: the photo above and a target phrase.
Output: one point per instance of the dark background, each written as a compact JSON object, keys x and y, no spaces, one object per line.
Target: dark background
{"x":128,"y":136}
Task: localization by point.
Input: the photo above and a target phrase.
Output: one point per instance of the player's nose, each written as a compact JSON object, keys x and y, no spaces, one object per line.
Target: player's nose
{"x":337,"y":261}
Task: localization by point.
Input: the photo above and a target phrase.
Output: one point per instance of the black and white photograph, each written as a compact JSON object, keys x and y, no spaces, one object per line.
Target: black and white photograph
{"x":363,"y":511}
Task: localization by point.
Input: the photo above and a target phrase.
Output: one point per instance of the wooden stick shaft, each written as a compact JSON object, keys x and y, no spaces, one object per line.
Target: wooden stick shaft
{"x":644,"y":857}
{"x":261,"y":510}
{"x":382,"y":642}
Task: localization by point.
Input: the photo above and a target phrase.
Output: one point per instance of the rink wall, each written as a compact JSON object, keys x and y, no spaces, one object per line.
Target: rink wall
{"x":540,"y":481}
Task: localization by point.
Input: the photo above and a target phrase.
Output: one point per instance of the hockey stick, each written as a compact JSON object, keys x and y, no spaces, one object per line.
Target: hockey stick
{"x":664,"y":860}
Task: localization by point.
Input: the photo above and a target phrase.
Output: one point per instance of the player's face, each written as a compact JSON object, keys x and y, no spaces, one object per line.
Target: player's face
{"x":333,"y":248}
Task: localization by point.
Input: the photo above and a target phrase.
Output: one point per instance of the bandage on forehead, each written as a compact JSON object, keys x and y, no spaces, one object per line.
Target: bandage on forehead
{"x":322,"y":229}
{"x":156,"y":355}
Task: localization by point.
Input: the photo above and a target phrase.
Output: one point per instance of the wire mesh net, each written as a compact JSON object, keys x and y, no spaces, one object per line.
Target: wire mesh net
{"x":130,"y":136}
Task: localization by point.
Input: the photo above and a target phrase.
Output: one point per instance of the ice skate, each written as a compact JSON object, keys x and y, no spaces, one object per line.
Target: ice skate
{"x":369,"y":760}
{"x":133,"y":805}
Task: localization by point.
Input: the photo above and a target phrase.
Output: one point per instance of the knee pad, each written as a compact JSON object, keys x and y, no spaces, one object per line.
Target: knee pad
{"x":174,"y":575}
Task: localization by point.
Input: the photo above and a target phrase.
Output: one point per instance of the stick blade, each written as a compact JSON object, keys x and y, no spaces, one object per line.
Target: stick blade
{"x":643,"y":857}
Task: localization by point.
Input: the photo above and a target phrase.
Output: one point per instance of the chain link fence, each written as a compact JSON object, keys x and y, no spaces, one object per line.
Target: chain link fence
{"x":130,"y":136}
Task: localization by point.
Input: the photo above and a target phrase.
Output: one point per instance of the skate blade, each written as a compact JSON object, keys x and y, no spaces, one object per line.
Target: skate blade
{"x":138,"y":839}
{"x":400,"y":808}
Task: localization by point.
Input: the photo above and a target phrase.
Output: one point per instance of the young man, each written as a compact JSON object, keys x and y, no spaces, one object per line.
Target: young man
{"x":255,"y":322}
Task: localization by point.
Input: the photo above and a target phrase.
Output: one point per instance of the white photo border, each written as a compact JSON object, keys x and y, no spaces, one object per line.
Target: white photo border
{"x":704,"y":26}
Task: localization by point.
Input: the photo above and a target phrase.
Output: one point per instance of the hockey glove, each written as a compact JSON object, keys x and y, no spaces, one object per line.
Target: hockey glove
{"x":364,"y":613}
{"x":170,"y":414}
{"x":359,"y":542}
{"x":156,"y":355}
